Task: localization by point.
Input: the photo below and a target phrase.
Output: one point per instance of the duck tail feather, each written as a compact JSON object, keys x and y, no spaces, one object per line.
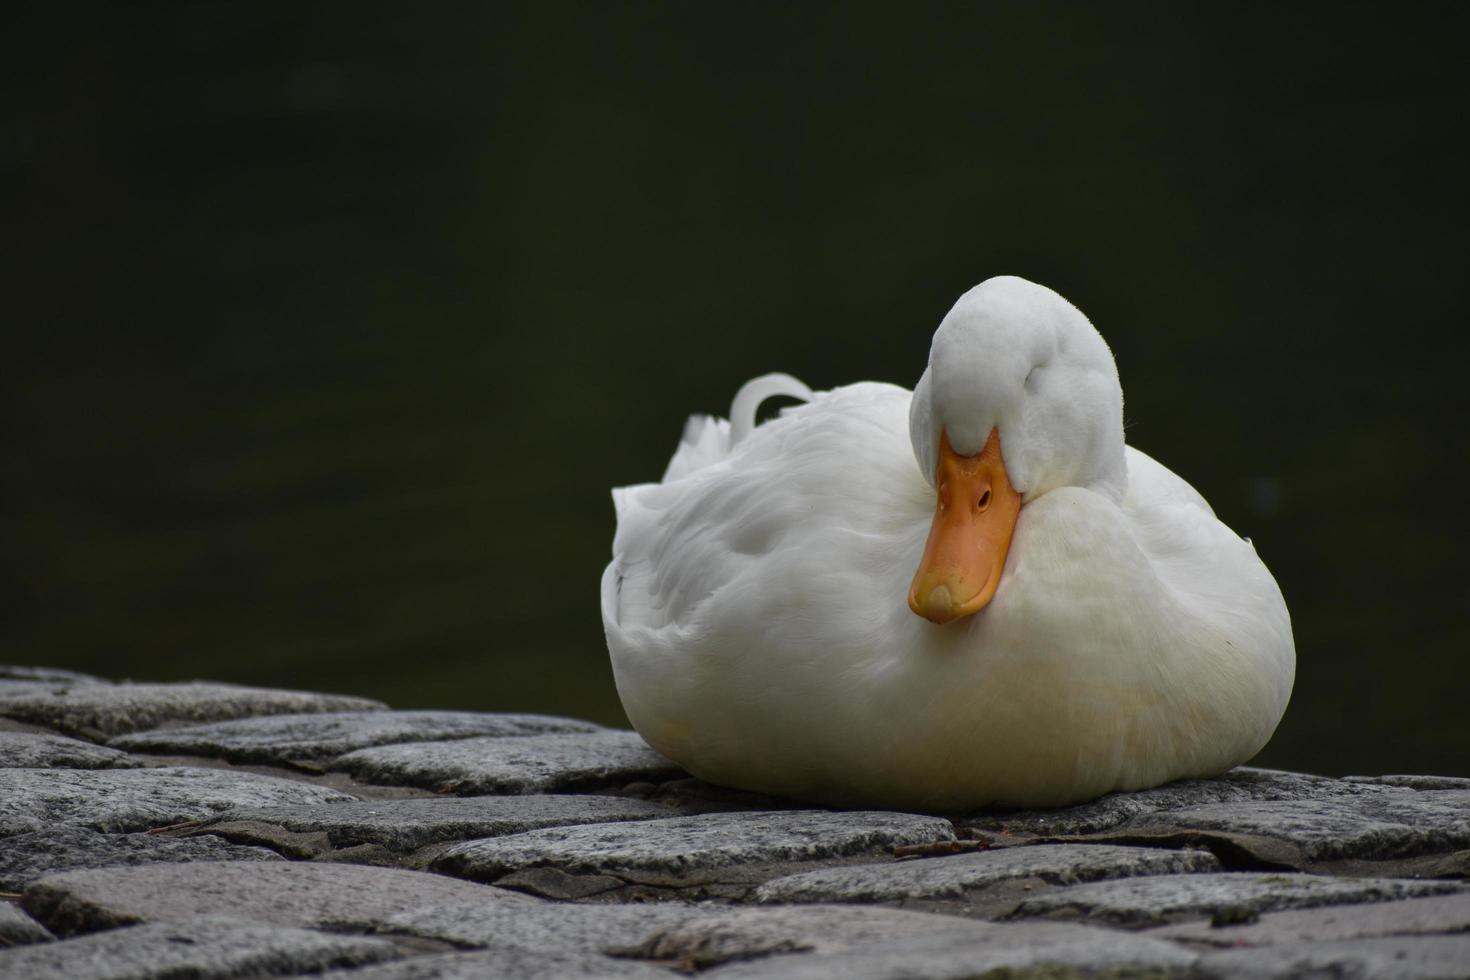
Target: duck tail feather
{"x":755,"y":391}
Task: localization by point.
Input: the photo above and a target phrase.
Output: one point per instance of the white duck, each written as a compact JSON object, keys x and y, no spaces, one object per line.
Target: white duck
{"x":1084,"y":622}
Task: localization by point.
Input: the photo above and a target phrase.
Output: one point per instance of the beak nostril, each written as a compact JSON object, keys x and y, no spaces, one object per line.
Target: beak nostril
{"x":984,"y":500}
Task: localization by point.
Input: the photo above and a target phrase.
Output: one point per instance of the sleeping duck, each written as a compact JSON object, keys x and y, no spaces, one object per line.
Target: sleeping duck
{"x":968,"y":595}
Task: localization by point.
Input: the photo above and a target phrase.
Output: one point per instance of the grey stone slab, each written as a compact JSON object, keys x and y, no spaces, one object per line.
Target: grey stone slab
{"x":122,"y":800}
{"x":49,"y":675}
{"x":202,"y":948}
{"x":1140,"y":902}
{"x":26,"y":857}
{"x":21,"y":688}
{"x":685,"y":847}
{"x":405,"y":825}
{"x":705,"y":941}
{"x":1384,"y":825}
{"x":533,"y":764}
{"x":687,"y":937}
{"x":11,"y":725}
{"x":1239,"y":785}
{"x":539,"y":926}
{"x":33,"y":750}
{"x":513,"y":962}
{"x":101,"y":711}
{"x":1043,"y":950}
{"x":19,"y":929}
{"x":1428,"y":783}
{"x":1395,"y":958}
{"x":955,"y":876}
{"x":277,"y":739}
{"x":1410,"y":916}
{"x":281,"y":892}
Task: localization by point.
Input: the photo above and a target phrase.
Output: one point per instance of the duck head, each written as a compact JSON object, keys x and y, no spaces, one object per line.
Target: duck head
{"x":1020,"y":397}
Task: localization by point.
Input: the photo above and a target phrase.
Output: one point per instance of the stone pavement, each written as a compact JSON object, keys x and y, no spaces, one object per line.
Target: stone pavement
{"x":212,"y":831}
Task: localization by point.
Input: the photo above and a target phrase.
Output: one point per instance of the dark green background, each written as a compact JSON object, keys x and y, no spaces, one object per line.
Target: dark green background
{"x":329,"y":326}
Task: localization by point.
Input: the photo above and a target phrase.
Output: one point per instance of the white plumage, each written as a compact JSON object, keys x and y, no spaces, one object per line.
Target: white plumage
{"x":755,"y":605}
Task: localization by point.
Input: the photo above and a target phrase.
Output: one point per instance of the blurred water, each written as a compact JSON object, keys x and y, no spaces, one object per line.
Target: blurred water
{"x":332,"y":324}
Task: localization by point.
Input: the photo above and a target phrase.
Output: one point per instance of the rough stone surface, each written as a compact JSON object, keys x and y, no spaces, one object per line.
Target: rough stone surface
{"x":100,"y":711}
{"x":707,"y":941}
{"x":202,"y":948}
{"x":11,"y":725}
{"x":683,"y":846}
{"x":1429,"y":783}
{"x":122,"y":800}
{"x":1382,"y":825}
{"x":1036,"y":949}
{"x":686,"y":937}
{"x":314,"y":737}
{"x":27,"y":750}
{"x":1411,"y":916}
{"x":533,"y":764}
{"x":404,"y":825}
{"x":19,"y":687}
{"x":1266,"y":819}
{"x":26,"y":857}
{"x":952,"y":877}
{"x":512,"y":962}
{"x":1139,"y":902}
{"x":537,"y":925}
{"x":282,"y":892}
{"x":19,"y":929}
{"x":1236,"y":786}
{"x":49,"y":675}
{"x":1396,"y":958}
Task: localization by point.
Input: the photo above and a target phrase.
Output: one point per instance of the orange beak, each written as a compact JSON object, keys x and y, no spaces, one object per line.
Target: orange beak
{"x":973,"y":523}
